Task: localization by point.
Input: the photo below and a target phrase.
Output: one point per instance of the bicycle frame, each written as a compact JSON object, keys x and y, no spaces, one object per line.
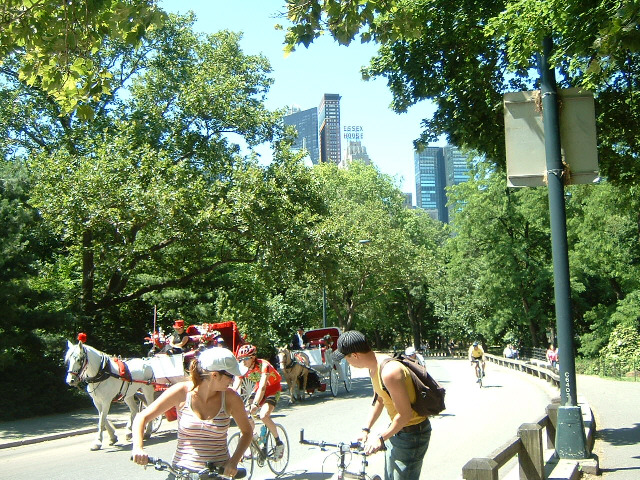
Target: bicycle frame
{"x":211,"y":471}
{"x":343,"y":448}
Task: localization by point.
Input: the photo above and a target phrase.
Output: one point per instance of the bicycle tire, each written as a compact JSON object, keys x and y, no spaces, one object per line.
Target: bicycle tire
{"x":480,"y":373}
{"x":245,"y":462}
{"x":278,"y":465}
{"x":154,"y":425}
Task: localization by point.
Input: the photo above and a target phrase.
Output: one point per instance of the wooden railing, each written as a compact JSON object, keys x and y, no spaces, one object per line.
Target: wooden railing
{"x":536,"y":368}
{"x":527,"y":445}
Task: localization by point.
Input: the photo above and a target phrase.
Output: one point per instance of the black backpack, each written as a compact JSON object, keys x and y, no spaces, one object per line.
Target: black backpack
{"x":429,"y":393}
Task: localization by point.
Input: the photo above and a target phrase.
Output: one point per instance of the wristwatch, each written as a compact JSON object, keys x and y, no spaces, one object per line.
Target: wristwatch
{"x":366,"y":429}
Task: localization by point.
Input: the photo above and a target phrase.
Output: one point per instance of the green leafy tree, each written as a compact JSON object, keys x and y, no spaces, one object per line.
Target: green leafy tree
{"x":153,"y":194}
{"x":57,"y":42}
{"x":498,"y":282}
{"x":464,"y":55}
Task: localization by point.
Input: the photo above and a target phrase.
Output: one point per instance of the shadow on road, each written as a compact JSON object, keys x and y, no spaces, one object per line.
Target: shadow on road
{"x":360,"y":388}
{"x":302,"y":475}
{"x":620,"y":436}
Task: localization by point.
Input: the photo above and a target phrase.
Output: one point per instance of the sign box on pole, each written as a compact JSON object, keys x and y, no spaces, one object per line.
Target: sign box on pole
{"x":524,"y":137}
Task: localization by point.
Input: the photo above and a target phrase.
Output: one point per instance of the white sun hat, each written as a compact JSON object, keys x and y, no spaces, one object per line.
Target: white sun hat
{"x":216,"y":359}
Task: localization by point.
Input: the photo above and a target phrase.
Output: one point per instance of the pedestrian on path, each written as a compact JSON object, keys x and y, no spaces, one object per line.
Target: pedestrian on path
{"x":408,"y":433}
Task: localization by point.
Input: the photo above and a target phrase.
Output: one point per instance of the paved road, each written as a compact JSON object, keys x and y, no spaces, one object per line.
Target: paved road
{"x":475,"y":423}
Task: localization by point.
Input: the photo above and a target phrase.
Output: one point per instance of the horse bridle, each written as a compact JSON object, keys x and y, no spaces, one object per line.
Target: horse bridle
{"x":103,"y":372}
{"x":85,"y":362}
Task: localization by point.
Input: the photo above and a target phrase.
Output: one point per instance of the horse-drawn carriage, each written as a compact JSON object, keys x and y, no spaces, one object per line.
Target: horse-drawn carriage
{"x":315,"y":367}
{"x":170,"y":369}
{"x":138,"y":381}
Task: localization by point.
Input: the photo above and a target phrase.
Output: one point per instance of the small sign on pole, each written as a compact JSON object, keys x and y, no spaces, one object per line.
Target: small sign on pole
{"x":524,"y":137}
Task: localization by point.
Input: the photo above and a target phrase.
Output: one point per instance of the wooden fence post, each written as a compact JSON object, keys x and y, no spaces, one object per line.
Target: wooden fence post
{"x":480,"y":469}
{"x":531,"y":458}
{"x":552,"y":412}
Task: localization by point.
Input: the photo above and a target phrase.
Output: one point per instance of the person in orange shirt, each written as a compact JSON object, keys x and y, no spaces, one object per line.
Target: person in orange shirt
{"x":266,"y":392}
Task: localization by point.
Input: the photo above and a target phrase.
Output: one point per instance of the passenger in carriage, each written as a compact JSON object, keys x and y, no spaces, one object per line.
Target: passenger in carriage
{"x":205,"y":405}
{"x":266,"y":392}
{"x":179,"y":339}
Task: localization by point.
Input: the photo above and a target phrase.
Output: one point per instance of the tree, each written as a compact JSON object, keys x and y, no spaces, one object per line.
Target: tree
{"x":357,"y":241}
{"x":463,"y":56}
{"x":152,"y":194}
{"x":498,"y":281}
{"x":57,"y":42}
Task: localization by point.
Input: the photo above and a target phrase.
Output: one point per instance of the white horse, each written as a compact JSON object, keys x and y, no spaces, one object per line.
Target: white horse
{"x":105,"y":384}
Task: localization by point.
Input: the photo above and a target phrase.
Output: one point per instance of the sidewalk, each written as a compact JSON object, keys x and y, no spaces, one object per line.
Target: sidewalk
{"x":616,"y":408}
{"x":51,"y":427}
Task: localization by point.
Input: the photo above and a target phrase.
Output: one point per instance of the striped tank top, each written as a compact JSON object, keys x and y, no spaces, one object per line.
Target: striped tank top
{"x":201,"y":441}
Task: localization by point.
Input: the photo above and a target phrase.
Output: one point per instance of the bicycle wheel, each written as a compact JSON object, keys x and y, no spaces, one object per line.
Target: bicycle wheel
{"x":154,"y":425}
{"x":246,"y":461}
{"x":278,"y":464}
{"x":480,"y":374}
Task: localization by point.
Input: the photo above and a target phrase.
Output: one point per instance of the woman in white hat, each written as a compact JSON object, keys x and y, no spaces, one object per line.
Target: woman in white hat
{"x":205,"y":405}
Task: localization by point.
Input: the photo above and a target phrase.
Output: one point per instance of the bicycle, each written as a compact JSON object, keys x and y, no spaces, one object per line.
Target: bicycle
{"x":211,"y":471}
{"x":479,"y":371}
{"x":262,"y":450}
{"x":343,"y":449}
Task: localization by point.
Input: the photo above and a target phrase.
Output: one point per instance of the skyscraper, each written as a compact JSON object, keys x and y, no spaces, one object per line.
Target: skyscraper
{"x":437,"y":168}
{"x":355,"y":151}
{"x":306,"y":123}
{"x":329,"y":128}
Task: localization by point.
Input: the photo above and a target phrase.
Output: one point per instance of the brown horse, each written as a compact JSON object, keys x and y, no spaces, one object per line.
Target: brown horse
{"x":295,"y":366}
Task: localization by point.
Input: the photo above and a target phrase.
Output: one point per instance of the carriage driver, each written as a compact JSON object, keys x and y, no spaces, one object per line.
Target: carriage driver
{"x":266,"y":392}
{"x":179,"y":339}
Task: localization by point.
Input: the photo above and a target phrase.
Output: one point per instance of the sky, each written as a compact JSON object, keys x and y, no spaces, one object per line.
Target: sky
{"x":302,"y":78}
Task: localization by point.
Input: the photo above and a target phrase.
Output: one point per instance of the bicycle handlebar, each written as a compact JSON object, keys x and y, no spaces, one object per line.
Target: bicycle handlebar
{"x":160,"y":464}
{"x":343,"y":446}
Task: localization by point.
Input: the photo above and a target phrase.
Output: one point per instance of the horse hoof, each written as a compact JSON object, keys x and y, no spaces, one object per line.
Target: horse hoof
{"x":96,"y":446}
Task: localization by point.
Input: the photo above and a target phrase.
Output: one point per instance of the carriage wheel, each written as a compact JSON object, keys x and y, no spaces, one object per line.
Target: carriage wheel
{"x":246,"y":461}
{"x":246,"y":389}
{"x":347,"y":376}
{"x":333,"y":381}
{"x":154,"y":425}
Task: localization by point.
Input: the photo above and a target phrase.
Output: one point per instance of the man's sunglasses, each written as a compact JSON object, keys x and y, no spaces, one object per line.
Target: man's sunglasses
{"x":242,"y":359}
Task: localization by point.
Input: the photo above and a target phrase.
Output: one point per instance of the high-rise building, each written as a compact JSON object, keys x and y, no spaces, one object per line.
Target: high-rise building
{"x":437,"y":168}
{"x":329,"y":128}
{"x":355,"y":151}
{"x":306,"y":123}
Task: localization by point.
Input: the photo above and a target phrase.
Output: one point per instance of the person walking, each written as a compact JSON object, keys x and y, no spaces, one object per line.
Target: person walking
{"x":408,"y":433}
{"x":413,"y":355}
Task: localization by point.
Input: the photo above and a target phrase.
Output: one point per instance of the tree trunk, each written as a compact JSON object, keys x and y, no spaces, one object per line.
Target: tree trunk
{"x":533,"y":331}
{"x":88,"y":269}
{"x":412,"y":315}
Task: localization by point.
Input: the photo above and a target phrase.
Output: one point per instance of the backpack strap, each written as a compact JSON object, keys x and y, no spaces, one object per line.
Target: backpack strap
{"x":382,"y":364}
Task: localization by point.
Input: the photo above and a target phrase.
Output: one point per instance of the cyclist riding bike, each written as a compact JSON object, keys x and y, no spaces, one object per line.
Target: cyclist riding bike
{"x":476,"y":357}
{"x":266,"y":393}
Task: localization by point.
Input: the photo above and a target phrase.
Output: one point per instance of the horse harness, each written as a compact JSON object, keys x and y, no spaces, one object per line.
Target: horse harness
{"x":104,"y":372}
{"x":293,"y":361}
